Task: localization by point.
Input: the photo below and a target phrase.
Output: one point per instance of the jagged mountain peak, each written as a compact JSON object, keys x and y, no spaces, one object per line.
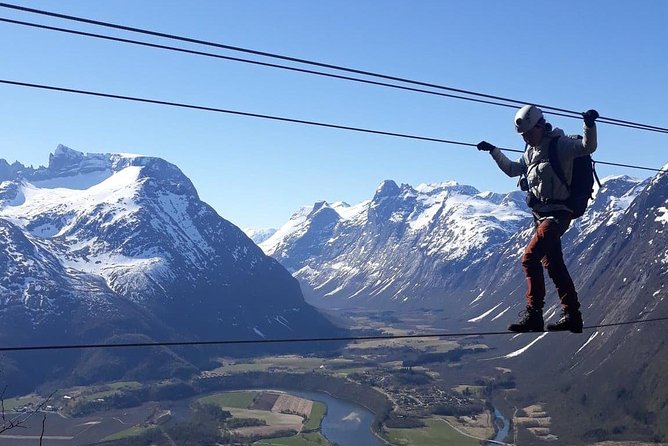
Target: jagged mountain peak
{"x":610,"y":203}
{"x":387,"y":188}
{"x":661,"y":176}
{"x":617,"y":184}
{"x":317,"y":207}
{"x":104,"y":202}
{"x":64,"y":155}
{"x":65,"y":163}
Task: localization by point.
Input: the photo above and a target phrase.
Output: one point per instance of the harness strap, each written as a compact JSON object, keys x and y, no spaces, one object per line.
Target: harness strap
{"x":556,"y":165}
{"x":593,"y":168}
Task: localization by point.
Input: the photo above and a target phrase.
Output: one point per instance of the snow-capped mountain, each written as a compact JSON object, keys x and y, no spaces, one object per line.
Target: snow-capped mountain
{"x":259,"y":235}
{"x":95,"y":239}
{"x":404,"y":245}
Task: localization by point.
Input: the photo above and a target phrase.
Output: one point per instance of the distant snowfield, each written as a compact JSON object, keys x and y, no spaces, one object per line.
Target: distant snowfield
{"x":51,"y":197}
{"x":80,"y":181}
{"x":259,"y":235}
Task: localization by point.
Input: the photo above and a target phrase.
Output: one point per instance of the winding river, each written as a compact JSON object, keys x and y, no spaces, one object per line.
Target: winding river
{"x":349,"y":424}
{"x":346,"y":423}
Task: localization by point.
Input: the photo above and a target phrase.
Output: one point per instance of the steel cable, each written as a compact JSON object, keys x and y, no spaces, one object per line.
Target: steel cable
{"x":547,"y":108}
{"x":298,"y":340}
{"x":270,"y":117}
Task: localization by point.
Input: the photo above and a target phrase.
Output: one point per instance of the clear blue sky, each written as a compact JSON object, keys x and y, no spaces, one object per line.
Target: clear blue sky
{"x":612,"y":56}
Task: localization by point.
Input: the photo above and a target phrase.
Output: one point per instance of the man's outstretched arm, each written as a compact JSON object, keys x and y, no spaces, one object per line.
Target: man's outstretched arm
{"x":510,"y":168}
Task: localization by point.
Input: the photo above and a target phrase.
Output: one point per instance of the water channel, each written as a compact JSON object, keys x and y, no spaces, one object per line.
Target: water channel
{"x":346,"y":423}
{"x":501,"y":431}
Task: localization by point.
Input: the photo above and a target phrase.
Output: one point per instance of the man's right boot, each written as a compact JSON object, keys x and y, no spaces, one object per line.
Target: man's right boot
{"x":531,"y":321}
{"x":569,"y":321}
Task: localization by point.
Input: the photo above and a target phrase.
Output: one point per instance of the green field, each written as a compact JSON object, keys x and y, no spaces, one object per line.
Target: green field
{"x":308,"y":439}
{"x":478,"y":391}
{"x":127,"y":433}
{"x":12,"y":403}
{"x":343,"y":373}
{"x":315,"y":418}
{"x":272,"y":418}
{"x":288,"y":363}
{"x":110,"y":389}
{"x":120,"y":385}
{"x":437,"y":433}
{"x":102,"y":394}
{"x":240,"y":400}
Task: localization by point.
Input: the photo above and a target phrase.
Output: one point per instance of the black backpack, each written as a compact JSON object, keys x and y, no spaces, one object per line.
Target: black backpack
{"x":581,"y":188}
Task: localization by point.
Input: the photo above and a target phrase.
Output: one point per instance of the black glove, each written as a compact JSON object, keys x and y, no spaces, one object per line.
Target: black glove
{"x":589,"y":117}
{"x":484,"y":145}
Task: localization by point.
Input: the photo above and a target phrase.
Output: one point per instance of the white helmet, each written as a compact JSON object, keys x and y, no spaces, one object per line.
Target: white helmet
{"x":527,"y":117}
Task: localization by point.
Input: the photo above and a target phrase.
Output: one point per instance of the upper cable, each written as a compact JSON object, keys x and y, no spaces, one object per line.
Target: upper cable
{"x":509,"y":101}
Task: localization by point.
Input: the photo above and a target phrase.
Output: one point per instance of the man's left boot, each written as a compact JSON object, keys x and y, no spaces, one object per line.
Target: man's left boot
{"x":569,"y":321}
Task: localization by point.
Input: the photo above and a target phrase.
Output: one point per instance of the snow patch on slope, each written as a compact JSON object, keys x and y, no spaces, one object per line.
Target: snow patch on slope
{"x":663,"y":218}
{"x":485,"y":314}
{"x":591,"y":338}
{"x":182,"y":228}
{"x":525,"y":348}
{"x":80,"y":181}
{"x":292,"y":228}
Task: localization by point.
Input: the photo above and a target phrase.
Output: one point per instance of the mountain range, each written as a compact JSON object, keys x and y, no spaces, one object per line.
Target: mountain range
{"x":103,"y":247}
{"x":403,"y":247}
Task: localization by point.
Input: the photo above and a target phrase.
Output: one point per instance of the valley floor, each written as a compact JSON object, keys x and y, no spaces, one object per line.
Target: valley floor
{"x":421,"y":392}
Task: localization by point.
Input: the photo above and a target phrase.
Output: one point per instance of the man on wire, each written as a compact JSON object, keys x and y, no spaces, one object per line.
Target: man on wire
{"x":550,"y":179}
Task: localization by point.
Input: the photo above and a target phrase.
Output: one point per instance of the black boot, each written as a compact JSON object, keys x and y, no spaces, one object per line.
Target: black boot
{"x":531,"y":320}
{"x":569,"y":321}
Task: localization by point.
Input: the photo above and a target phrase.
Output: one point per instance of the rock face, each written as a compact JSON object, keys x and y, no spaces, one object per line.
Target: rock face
{"x":100,"y":245}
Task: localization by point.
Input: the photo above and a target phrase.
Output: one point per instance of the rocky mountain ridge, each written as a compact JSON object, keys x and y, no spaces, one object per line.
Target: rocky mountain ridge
{"x":405,"y":245}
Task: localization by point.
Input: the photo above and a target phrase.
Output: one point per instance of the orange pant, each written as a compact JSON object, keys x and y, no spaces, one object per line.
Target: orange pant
{"x":544,"y":250}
